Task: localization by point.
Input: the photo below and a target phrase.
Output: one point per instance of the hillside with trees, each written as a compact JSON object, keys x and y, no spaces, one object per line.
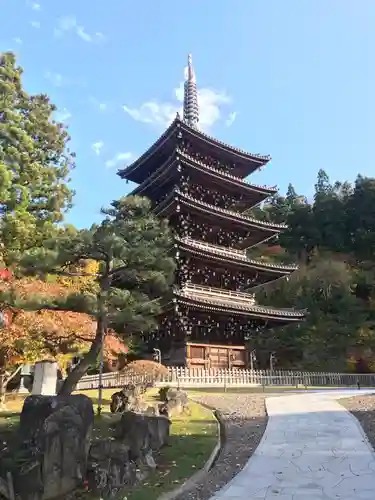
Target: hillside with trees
{"x":332,"y":238}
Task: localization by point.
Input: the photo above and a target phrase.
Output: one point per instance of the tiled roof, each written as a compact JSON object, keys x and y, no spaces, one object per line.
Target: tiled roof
{"x":232,"y":253}
{"x":226,"y":299}
{"x":231,"y":213}
{"x":270,"y":189}
{"x":254,"y":156}
{"x":177,"y":122}
{"x":266,"y":190}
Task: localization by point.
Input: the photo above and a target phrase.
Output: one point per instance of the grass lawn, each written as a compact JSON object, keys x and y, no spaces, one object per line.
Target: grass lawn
{"x":191,"y":443}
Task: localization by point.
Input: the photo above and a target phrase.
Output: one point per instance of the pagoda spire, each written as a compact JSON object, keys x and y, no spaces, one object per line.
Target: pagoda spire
{"x":191,"y":109}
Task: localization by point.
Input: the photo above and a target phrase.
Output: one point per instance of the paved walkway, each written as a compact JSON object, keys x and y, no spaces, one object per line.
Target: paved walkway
{"x":313,"y":449}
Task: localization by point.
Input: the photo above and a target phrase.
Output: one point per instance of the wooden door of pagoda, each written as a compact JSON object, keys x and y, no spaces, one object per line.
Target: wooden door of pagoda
{"x":219,"y":357}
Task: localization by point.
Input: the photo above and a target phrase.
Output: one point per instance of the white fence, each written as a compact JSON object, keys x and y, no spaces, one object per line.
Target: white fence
{"x":200,"y":378}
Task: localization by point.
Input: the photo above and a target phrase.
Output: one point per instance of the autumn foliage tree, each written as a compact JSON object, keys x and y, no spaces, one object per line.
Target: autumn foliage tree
{"x":134,"y":270}
{"x":27,"y":336}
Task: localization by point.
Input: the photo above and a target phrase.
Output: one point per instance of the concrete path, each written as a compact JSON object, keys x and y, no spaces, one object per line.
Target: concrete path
{"x":313,"y":449}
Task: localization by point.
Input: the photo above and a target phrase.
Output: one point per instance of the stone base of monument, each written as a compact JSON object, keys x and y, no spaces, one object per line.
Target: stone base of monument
{"x":54,"y":441}
{"x":117,"y":465}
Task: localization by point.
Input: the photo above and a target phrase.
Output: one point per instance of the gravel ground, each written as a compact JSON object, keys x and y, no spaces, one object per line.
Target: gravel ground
{"x":245,"y":421}
{"x":363,"y":408}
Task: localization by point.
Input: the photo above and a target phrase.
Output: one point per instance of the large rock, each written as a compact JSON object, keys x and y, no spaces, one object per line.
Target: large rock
{"x":121,"y":402}
{"x":143,"y":433}
{"x":55,"y":435}
{"x":177,"y":402}
{"x":110,"y":468}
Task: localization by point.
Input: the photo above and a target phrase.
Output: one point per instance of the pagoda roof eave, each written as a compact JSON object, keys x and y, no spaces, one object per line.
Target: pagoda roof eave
{"x":242,"y":155}
{"x":262,"y":191}
{"x":232,"y":150}
{"x":217,"y":211}
{"x":124,"y":173}
{"x":238,"y":181}
{"x":160,"y":172}
{"x":227,"y":303}
{"x":238,"y":257}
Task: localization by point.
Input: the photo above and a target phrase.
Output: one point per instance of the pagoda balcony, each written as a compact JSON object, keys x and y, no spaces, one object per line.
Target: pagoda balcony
{"x":238,"y":256}
{"x":258,"y":231}
{"x":230,"y":302}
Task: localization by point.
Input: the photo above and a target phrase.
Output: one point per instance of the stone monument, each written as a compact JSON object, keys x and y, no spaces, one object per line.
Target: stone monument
{"x":45,"y":378}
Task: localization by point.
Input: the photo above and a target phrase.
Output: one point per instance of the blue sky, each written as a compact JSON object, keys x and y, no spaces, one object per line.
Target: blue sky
{"x":290,"y":78}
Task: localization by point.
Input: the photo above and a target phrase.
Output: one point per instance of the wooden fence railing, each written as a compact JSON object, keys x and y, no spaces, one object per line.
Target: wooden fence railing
{"x":200,"y":378}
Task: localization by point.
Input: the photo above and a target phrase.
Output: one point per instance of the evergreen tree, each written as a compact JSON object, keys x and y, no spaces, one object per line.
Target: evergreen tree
{"x":34,"y":165}
{"x":131,"y":247}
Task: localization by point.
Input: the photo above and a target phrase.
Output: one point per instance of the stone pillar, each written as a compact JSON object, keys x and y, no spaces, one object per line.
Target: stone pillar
{"x":45,"y":378}
{"x":25,"y":372}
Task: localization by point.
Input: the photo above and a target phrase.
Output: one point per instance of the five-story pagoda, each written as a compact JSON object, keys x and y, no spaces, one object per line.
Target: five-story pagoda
{"x":197,"y":182}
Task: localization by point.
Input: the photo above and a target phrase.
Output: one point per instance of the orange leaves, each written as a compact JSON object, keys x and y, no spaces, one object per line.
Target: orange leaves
{"x":148,"y":368}
{"x":33,"y":335}
{"x":113,"y":346}
{"x":61,"y":324}
{"x":26,"y":288}
{"x":5,"y":275}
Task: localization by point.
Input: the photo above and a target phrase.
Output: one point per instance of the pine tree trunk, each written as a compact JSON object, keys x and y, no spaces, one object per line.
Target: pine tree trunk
{"x":71,"y":381}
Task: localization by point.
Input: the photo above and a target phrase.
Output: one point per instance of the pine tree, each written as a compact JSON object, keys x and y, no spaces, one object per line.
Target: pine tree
{"x":131,"y":247}
{"x":34,"y":165}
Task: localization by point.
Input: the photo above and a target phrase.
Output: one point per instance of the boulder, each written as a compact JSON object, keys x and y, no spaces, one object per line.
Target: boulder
{"x":118,"y":402}
{"x":143,"y":433}
{"x":110,"y":468}
{"x":128,"y":399}
{"x":176,"y":394}
{"x":55,"y":435}
{"x":177,"y":403}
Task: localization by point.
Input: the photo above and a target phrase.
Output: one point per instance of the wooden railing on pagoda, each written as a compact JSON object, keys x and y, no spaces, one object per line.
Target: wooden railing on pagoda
{"x":218,"y":292}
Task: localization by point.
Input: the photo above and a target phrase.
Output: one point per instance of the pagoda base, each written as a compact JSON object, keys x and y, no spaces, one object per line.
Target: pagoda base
{"x":206,"y":356}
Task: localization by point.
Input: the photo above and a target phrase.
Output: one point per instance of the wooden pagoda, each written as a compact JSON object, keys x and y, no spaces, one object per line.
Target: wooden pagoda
{"x":197,"y":182}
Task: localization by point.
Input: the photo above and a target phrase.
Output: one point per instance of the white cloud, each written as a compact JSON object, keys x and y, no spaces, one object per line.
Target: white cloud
{"x":35,"y":24}
{"x":119,"y":158}
{"x":210,"y":102}
{"x":97,"y":147}
{"x":80,"y":30}
{"x":34,"y":5}
{"x":63,"y":115}
{"x":69,"y":24}
{"x":231,"y":118}
{"x":17,"y":40}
